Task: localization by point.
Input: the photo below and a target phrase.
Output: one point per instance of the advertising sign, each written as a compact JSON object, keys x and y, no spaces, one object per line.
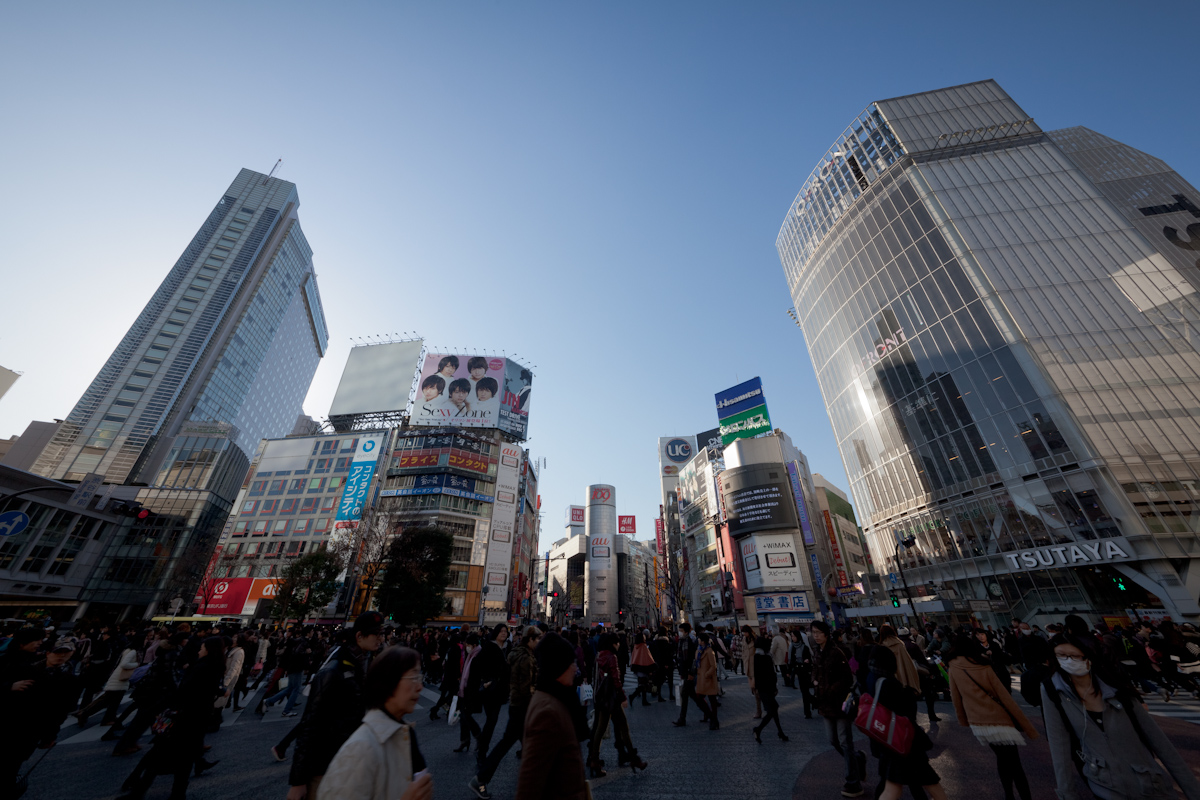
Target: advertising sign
{"x":377,"y":377}
{"x":444,"y":483}
{"x":228,"y":597}
{"x":709,"y":439}
{"x":627,"y":525}
{"x":794,"y":475}
{"x":260,"y":589}
{"x":674,"y":452}
{"x":838,"y":563}
{"x":574,"y":515}
{"x":658,"y":536}
{"x":745,"y":425}
{"x":473,"y":392}
{"x":358,"y":482}
{"x":504,"y":517}
{"x":777,"y":560}
{"x":740,"y":398}
{"x":754,"y":501}
{"x":785,"y":603}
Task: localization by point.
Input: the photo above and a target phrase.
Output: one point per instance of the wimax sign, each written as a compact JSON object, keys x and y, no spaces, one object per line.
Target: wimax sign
{"x":1077,"y":554}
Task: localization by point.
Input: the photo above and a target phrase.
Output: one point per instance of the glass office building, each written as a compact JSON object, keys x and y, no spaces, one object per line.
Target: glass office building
{"x":1003,"y":322}
{"x":220,"y":358}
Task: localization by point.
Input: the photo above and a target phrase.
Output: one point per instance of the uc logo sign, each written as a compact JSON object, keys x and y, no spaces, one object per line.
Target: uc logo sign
{"x":368,"y":445}
{"x":601,"y":494}
{"x":678,"y":450}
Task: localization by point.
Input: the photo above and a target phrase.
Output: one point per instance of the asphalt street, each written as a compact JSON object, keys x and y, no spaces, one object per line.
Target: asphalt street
{"x":684,"y":762}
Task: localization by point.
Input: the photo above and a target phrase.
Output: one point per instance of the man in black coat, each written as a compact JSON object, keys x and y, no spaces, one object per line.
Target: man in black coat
{"x":686,"y":660}
{"x":335,"y":706}
{"x":487,"y":688}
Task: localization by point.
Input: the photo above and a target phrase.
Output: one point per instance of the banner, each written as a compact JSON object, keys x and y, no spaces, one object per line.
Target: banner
{"x":658,"y":536}
{"x":794,"y":474}
{"x":627,"y":525}
{"x":473,"y":392}
{"x":504,"y":517}
{"x":840,"y":565}
{"x":358,"y":482}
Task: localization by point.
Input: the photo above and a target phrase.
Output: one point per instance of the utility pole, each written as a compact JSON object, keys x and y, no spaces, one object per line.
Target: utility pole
{"x":907,"y":542}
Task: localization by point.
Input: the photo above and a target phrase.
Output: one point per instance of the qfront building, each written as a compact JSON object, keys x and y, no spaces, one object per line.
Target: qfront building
{"x":220,"y":358}
{"x":1003,"y":322}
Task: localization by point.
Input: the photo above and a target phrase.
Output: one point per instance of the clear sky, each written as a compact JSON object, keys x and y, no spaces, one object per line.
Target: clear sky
{"x":594,"y":186}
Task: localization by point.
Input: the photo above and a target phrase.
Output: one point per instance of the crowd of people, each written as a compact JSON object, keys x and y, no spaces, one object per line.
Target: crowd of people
{"x":353,"y":688}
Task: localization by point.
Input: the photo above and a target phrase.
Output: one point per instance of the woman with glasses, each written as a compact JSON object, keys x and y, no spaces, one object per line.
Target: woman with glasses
{"x":1097,"y":726}
{"x":381,"y":760}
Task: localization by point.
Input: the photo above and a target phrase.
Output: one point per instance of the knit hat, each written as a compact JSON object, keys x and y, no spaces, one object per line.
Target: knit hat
{"x":554,"y":654}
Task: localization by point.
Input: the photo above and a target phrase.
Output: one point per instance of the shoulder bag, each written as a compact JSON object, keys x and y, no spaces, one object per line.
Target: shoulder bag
{"x":879,"y":723}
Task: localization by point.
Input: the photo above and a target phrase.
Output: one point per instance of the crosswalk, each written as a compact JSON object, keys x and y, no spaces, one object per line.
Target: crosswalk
{"x":1182,"y":707}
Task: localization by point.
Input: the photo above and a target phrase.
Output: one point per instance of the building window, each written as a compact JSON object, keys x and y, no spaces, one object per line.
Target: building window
{"x":336,"y":483}
{"x":289,"y":506}
{"x":315,"y":485}
{"x":241,"y":529}
{"x":328,"y":504}
{"x":259,"y":528}
{"x":297,"y":485}
{"x":279,"y":528}
{"x":310,"y":505}
{"x":268,"y":507}
{"x":301,"y":527}
{"x":277,"y":486}
{"x":322,"y":525}
{"x":249,"y":507}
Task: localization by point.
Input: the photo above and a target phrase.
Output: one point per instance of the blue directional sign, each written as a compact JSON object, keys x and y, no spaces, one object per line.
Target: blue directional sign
{"x":12,"y":522}
{"x":892,"y":577}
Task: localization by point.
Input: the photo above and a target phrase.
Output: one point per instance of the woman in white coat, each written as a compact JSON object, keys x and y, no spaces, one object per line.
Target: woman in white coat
{"x":380,"y":760}
{"x":235,"y":659}
{"x":114,"y":690}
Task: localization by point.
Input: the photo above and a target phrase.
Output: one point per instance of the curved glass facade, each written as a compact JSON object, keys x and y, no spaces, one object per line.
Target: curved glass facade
{"x":931,"y":355}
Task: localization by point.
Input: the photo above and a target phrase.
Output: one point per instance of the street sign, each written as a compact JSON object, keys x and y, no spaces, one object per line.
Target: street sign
{"x":892,"y":577}
{"x":86,"y":490}
{"x":176,"y":604}
{"x":13,"y":522}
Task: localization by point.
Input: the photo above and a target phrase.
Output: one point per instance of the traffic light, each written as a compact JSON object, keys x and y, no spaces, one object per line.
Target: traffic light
{"x":554,"y":594}
{"x":133,"y":510}
{"x":895,"y":601}
{"x":1120,"y":582}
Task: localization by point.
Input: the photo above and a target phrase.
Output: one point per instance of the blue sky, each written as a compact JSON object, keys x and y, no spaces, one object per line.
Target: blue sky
{"x":598,"y":185}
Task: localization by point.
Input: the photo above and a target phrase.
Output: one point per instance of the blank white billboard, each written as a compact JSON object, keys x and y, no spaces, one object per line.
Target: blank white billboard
{"x":7,"y":379}
{"x":377,"y":377}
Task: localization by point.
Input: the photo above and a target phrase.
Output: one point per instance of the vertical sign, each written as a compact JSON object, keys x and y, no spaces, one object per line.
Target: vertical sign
{"x":794,"y":473}
{"x":504,"y":518}
{"x":627,"y":525}
{"x":818,"y":578}
{"x":86,"y":489}
{"x":358,"y":482}
{"x":843,"y":580}
{"x":658,"y":536}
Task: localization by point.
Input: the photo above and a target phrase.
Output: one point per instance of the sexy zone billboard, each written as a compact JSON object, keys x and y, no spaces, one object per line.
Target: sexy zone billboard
{"x":473,"y":392}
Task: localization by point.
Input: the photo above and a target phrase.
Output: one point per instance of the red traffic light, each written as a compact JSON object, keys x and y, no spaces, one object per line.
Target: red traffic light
{"x":143,"y":513}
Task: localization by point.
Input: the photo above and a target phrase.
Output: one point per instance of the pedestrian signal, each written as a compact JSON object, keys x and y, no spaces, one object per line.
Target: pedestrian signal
{"x":895,"y":601}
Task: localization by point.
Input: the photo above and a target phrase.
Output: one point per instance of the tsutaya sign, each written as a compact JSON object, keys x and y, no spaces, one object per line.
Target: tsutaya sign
{"x":1071,"y":555}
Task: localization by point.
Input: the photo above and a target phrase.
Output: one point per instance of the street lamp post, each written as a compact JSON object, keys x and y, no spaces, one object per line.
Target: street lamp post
{"x":907,"y":542}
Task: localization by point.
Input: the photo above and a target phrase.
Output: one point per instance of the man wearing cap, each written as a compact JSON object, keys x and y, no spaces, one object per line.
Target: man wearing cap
{"x":522,"y":678}
{"x":335,"y":706}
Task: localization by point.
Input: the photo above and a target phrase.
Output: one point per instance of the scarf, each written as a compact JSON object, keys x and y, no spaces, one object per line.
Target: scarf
{"x":570,"y":699}
{"x":699,"y":655}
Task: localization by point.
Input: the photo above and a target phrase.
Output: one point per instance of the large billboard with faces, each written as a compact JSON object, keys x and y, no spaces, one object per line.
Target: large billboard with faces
{"x":473,"y":391}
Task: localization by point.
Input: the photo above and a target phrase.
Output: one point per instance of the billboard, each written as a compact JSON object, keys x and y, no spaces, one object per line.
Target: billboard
{"x":228,"y":597}
{"x":770,"y":561}
{"x":742,"y":410}
{"x":574,"y":516}
{"x":443,"y":483}
{"x":658,"y":536}
{"x":838,"y":563}
{"x":358,"y":481}
{"x":473,"y":392}
{"x":627,"y":525}
{"x":745,"y":425}
{"x":757,"y":497}
{"x":674,"y":452}
{"x":376,"y":377}
{"x":504,"y":517}
{"x":710,"y":438}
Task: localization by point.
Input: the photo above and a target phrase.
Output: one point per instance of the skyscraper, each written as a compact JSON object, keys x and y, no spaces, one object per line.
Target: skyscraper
{"x":1003,"y":322}
{"x":220,"y":358}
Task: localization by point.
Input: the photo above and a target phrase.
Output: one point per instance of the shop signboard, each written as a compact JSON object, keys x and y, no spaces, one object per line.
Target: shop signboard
{"x":793,"y":470}
{"x":358,"y":481}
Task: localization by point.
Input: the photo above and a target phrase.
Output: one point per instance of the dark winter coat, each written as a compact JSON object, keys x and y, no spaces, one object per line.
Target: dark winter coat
{"x":551,"y":761}
{"x":334,"y":710}
{"x":832,"y":679}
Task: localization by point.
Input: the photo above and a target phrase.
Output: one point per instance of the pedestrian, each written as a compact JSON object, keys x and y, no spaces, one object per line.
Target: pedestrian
{"x":179,"y":748}
{"x":802,"y":660}
{"x":643,"y":666}
{"x":686,"y":659}
{"x":293,"y":661}
{"x":381,"y":760}
{"x":833,"y":682}
{"x":924,"y":672}
{"x":663,"y":653}
{"x":19,"y":735}
{"x":610,"y":703}
{"x":153,"y":693}
{"x":906,"y":670}
{"x":707,"y":687}
{"x":749,"y":644}
{"x":1097,"y":726}
{"x":982,"y":701}
{"x":468,"y":696}
{"x":235,"y":659}
{"x":489,"y":681}
{"x":737,"y":652}
{"x":897,"y":770}
{"x":766,"y":688}
{"x":522,"y":677}
{"x":779,"y":653}
{"x":335,"y":706}
{"x":451,"y":660}
{"x":551,"y":764}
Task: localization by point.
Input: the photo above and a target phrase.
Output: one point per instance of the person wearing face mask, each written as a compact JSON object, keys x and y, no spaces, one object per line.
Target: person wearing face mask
{"x":1097,"y":726}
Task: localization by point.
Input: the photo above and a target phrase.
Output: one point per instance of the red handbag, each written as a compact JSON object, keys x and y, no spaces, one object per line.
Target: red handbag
{"x":879,"y":723}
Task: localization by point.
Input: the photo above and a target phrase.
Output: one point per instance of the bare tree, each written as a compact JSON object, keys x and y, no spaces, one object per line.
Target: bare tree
{"x":364,"y":548}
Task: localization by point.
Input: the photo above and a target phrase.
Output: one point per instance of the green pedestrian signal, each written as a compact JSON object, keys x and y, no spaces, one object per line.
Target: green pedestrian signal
{"x":895,"y":601}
